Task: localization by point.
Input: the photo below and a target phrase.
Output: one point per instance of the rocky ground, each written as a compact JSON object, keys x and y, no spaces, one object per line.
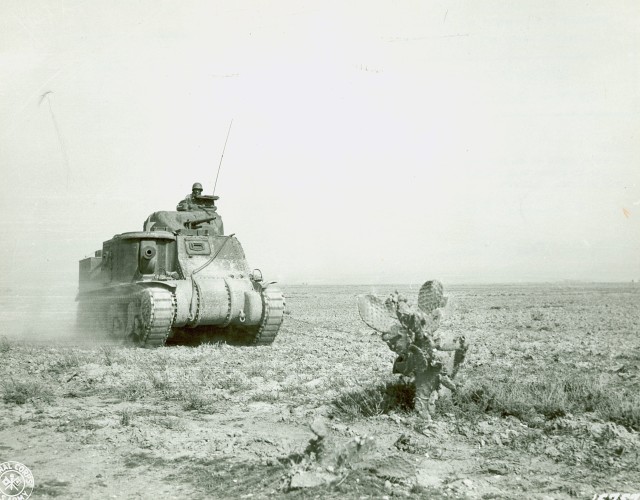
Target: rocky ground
{"x":549,"y":406}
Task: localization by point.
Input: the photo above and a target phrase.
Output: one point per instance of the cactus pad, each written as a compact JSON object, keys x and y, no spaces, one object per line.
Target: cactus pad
{"x":431,"y":296}
{"x":375,"y":313}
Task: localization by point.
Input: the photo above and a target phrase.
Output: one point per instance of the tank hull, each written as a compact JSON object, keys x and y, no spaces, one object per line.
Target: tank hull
{"x":154,"y":286}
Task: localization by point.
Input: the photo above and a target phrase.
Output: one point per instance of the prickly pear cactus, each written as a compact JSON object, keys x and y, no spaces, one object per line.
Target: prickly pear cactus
{"x":411,"y":332}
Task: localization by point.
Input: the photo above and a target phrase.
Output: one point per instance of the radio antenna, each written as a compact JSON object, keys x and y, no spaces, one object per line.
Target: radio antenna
{"x":221,"y":157}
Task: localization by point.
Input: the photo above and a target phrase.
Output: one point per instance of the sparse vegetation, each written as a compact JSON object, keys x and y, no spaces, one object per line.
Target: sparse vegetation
{"x":19,"y":393}
{"x":159,"y":380}
{"x":5,"y":345}
{"x":68,"y":359}
{"x":51,"y":488}
{"x":623,"y":409}
{"x":381,"y":399}
{"x":108,"y":353}
{"x":126,"y":417}
{"x":549,"y":389}
{"x":549,"y":396}
{"x":266,"y":397}
{"x":197,"y":402}
{"x":133,"y":390}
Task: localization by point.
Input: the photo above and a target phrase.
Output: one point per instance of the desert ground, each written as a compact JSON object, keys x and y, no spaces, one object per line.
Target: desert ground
{"x":548,"y":404}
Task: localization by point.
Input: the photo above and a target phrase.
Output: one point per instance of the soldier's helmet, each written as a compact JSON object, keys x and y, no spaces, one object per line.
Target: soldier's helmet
{"x":197,"y":185}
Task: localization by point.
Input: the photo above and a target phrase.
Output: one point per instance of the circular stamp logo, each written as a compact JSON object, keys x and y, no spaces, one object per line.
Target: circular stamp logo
{"x":16,"y":481}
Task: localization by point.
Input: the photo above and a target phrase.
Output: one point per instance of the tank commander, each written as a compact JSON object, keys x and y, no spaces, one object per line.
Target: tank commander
{"x":196,"y":201}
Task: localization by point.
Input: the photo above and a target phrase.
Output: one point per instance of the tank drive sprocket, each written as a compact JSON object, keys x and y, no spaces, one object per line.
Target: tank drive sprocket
{"x":156,"y":313}
{"x":273,"y":307}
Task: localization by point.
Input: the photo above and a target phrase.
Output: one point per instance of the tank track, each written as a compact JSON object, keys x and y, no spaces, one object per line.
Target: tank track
{"x":273,"y":307}
{"x":157,"y":309}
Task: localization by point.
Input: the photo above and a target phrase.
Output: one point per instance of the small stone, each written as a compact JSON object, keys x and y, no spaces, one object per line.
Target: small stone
{"x":319,"y":428}
{"x":496,"y":438}
{"x":552,"y":451}
{"x":311,"y":479}
{"x":485,"y":427}
{"x":387,"y":485}
{"x":500,"y":469}
{"x":314,"y":383}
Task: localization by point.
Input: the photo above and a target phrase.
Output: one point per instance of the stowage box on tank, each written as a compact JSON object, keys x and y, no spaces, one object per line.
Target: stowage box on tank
{"x":181,"y":279}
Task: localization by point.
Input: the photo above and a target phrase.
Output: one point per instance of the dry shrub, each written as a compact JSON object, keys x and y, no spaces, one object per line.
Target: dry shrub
{"x":624,"y":410}
{"x":550,"y":396}
{"x":64,"y":361}
{"x":126,"y":417}
{"x":108,"y":354}
{"x":159,"y":379}
{"x":21,"y":392}
{"x":201,"y":403}
{"x":5,"y":345}
{"x":133,"y":390}
{"x":377,"y":400}
{"x":219,"y":478}
{"x":266,"y":397}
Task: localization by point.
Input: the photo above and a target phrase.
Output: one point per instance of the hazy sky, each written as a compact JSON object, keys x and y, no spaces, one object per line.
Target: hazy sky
{"x":372,"y":142}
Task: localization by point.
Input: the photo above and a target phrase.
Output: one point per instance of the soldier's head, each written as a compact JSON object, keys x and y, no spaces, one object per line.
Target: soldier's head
{"x":196,"y":189}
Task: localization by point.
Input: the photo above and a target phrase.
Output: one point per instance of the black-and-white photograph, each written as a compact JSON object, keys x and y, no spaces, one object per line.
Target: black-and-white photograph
{"x":320,"y":249}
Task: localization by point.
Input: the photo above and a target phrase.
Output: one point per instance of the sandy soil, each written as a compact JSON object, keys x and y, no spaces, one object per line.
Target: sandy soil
{"x":96,"y":420}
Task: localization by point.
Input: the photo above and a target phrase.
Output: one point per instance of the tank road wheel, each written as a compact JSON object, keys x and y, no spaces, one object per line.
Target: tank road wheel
{"x":156,"y":312}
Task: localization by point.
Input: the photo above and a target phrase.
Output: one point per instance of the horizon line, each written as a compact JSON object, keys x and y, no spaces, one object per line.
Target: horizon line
{"x":457,"y":283}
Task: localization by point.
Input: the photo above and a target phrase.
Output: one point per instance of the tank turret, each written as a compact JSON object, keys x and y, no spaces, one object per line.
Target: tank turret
{"x":180,"y":279}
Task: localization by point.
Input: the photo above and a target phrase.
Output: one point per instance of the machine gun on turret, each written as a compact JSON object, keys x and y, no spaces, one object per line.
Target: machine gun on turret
{"x":192,"y":224}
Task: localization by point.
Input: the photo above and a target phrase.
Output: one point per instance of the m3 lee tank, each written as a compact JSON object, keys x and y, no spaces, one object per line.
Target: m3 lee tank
{"x":180,"y":279}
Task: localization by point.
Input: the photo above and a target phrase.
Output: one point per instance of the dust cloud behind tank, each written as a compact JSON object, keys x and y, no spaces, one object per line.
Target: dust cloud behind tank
{"x":179,"y":280}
